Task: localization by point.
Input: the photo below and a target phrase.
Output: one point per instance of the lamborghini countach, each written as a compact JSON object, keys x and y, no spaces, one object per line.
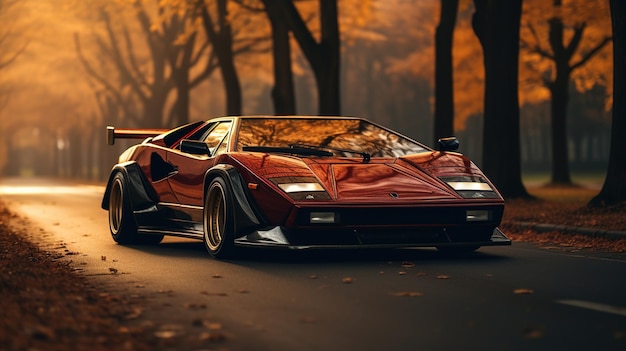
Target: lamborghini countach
{"x":298,"y":182}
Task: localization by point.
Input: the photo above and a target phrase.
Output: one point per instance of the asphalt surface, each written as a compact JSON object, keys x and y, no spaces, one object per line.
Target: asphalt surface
{"x":500,"y":298}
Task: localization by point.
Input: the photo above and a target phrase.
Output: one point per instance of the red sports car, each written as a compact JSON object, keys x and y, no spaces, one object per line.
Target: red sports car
{"x":298,"y":182}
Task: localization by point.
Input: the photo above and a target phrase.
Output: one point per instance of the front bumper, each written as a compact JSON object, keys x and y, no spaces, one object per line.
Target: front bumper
{"x":278,"y":238}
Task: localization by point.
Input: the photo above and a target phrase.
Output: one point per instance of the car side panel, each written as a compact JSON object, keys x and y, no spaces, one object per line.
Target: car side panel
{"x":151,"y":159}
{"x":187,"y":183}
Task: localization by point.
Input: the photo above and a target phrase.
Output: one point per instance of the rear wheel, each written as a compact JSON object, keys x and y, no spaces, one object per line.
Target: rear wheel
{"x":121,"y":220}
{"x":218,"y":220}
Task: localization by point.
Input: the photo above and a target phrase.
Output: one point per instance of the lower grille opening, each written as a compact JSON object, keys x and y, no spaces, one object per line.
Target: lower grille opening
{"x":414,"y":236}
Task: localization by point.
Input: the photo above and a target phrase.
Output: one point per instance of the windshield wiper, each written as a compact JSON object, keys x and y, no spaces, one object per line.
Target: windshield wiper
{"x":291,"y":149}
{"x":366,"y":156}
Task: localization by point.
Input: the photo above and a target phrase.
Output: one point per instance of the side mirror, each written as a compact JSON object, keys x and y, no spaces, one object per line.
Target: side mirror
{"x":195,"y":147}
{"x":448,"y":144}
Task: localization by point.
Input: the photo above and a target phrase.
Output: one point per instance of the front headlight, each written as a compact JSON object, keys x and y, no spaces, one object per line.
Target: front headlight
{"x":471,"y":187}
{"x":301,"y":188}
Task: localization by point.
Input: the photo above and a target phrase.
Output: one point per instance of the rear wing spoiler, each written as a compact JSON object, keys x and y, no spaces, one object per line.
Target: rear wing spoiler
{"x":113,"y":133}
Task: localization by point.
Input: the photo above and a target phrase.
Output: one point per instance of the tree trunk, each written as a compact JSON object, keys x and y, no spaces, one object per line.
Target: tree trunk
{"x":560,"y":98}
{"x":324,"y":57}
{"x":226,"y":60}
{"x":614,"y":188}
{"x":328,"y":72}
{"x":180,"y":111}
{"x":444,"y":92}
{"x":222,"y":40}
{"x":75,"y":153}
{"x":180,"y":64}
{"x":283,"y":94}
{"x":559,"y":90}
{"x":231,"y":84}
{"x":497,"y":23}
{"x":153,"y":109}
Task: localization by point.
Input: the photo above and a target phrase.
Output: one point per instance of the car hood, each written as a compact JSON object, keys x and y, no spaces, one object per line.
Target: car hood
{"x":407,"y":178}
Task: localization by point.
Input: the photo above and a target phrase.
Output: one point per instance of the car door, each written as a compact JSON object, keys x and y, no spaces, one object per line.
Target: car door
{"x":187,"y":183}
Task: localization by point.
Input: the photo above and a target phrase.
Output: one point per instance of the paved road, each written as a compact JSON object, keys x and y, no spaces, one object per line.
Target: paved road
{"x":501,"y":298}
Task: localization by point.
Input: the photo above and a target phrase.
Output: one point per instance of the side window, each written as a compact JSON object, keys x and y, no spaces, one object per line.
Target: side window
{"x":198,"y":134}
{"x":216,"y":137}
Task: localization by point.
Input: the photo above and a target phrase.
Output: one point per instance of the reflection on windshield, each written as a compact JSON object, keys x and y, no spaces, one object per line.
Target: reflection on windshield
{"x":348,"y":134}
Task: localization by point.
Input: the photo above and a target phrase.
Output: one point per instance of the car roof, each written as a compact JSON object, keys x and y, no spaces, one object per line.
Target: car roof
{"x":284,"y":117}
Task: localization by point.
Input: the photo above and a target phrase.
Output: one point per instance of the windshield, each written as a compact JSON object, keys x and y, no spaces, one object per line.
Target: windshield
{"x":349,"y":135}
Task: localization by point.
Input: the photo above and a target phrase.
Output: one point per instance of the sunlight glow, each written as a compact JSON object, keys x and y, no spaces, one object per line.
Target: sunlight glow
{"x":36,"y":190}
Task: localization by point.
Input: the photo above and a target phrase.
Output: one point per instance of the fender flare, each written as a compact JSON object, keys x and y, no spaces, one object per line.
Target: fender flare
{"x":246,"y":218}
{"x":142,"y":196}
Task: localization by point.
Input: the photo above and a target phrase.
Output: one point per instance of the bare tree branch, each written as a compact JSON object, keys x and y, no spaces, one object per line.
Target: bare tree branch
{"x":131,"y":57}
{"x":538,"y":48}
{"x":116,"y":55}
{"x":592,"y":53}
{"x":112,"y":90}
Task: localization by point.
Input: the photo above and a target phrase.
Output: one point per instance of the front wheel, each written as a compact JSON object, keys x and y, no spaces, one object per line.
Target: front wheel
{"x":218,"y":220}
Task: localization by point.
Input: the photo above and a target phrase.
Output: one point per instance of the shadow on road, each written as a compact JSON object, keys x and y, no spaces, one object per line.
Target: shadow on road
{"x":245,"y":256}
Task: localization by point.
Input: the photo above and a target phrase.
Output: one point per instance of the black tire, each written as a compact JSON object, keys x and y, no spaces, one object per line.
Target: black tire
{"x":219,"y":220}
{"x":121,"y":220}
{"x":457,"y":250}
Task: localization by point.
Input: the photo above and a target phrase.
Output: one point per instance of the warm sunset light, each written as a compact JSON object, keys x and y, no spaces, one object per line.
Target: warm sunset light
{"x":312,"y":175}
{"x":73,"y":72}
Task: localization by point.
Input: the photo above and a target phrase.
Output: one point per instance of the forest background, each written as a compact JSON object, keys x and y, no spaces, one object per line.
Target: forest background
{"x":68,"y":68}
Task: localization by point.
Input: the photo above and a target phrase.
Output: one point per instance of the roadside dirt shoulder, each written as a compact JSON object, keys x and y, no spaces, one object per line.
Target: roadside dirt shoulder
{"x":564,"y":206}
{"x":45,"y":305}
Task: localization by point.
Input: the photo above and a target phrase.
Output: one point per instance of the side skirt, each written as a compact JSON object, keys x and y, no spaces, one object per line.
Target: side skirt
{"x":189,"y":234}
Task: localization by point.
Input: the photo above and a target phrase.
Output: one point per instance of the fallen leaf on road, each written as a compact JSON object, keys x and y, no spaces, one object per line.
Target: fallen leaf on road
{"x":134,"y":314}
{"x":406,"y":264}
{"x":165,"y":334}
{"x":442,"y":276}
{"x":41,"y":332}
{"x":523,"y":291}
{"x":407,"y":294}
{"x":217,"y":275}
{"x":168,"y":331}
{"x":193,"y":306}
{"x":217,"y":336}
{"x":619,"y":335}
{"x":213,"y":326}
{"x":533,"y":332}
{"x":346,"y":280}
{"x":308,"y":320}
{"x":401,"y":273}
